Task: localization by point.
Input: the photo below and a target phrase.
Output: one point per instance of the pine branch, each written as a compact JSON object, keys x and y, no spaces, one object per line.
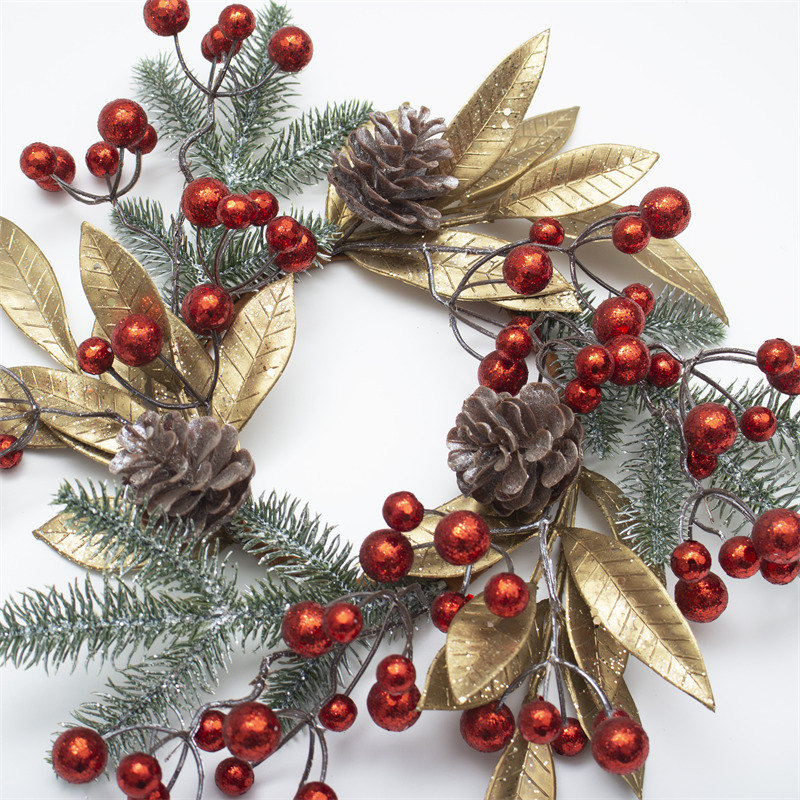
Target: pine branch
{"x":681,"y":323}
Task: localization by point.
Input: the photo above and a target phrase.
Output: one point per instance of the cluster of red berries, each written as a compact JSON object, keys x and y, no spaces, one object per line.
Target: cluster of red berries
{"x":662,"y":214}
{"x":619,"y":744}
{"x":136,"y":341}
{"x":773,"y":548}
{"x":122,"y":124}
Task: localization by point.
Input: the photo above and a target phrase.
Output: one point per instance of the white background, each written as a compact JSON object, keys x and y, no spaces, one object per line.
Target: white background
{"x":376,"y":379}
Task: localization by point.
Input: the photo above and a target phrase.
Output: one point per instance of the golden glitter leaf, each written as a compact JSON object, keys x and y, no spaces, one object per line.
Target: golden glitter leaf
{"x":449,"y":268}
{"x":631,"y":604}
{"x":535,"y":140}
{"x":575,"y":181}
{"x":43,"y":439}
{"x":664,"y":258}
{"x":31,"y":296}
{"x":525,"y":771}
{"x":81,"y":550}
{"x":482,"y":130}
{"x":254,"y":352}
{"x":191,"y":358}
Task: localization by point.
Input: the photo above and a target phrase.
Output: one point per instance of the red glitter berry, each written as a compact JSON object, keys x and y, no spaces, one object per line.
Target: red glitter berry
{"x":12,"y":459}
{"x":316,"y":790}
{"x":461,"y":538}
{"x":522,"y":321}
{"x":582,"y":397}
{"x":166,"y":17}
{"x":79,"y":755}
{"x":738,"y":558}
{"x":237,"y":21}
{"x":208,"y":736}
{"x":514,"y":341}
{"x":664,"y":370}
{"x":207,"y":308}
{"x":138,"y":775}
{"x":137,"y":340}
{"x":776,"y":535}
{"x":283,"y":233}
{"x":64,"y":171}
{"x":571,"y":739}
{"x":393,"y":712}
{"x":216,"y":45}
{"x":402,"y":511}
{"x":666,"y":211}
{"x":302,"y":630}
{"x":95,"y":355}
{"x":617,"y":316}
{"x":539,"y":722}
{"x":547,"y":231}
{"x":266,"y":206}
{"x":527,"y":269}
{"x":775,"y":357}
{"x":396,"y":674}
{"x":37,"y":161}
{"x":386,"y":556}
{"x":102,"y":159}
{"x":594,"y":364}
{"x":620,"y":745}
{"x":506,"y":595}
{"x":444,"y":609}
{"x":251,"y":731}
{"x":779,"y":574}
{"x":200,"y":200}
{"x":601,"y":715}
{"x":488,"y":728}
{"x":159,"y":793}
{"x":631,"y":359}
{"x":236,"y":211}
{"x":630,"y":235}
{"x":702,"y":600}
{"x":147,"y":143}
{"x":301,"y":256}
{"x":122,"y":122}
{"x":710,"y":428}
{"x":502,"y":373}
{"x":690,"y":560}
{"x":339,"y":713}
{"x":641,"y":295}
{"x":758,"y":424}
{"x":788,"y":382}
{"x":700,"y":465}
{"x":290,"y":48}
{"x":342,"y":622}
{"x":233,"y":777}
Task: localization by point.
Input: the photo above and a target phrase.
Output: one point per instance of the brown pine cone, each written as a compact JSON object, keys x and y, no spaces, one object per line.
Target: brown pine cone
{"x":384,"y":175}
{"x":190,"y":470}
{"x":515,"y":454}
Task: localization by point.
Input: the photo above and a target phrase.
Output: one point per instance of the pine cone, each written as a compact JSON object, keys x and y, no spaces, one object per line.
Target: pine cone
{"x":515,"y":454}
{"x":384,"y":175}
{"x":190,"y":470}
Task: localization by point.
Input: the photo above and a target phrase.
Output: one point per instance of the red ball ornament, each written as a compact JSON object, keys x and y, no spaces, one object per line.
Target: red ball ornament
{"x":664,"y":370}
{"x":601,"y":715}
{"x":251,"y":731}
{"x":630,"y":235}
{"x":95,"y":355}
{"x":159,"y":793}
{"x":166,"y":17}
{"x":666,"y":211}
{"x":700,"y":465}
{"x":236,"y":211}
{"x":620,"y":745}
{"x":547,"y":231}
{"x":710,"y":428}
{"x":138,"y":774}
{"x":302,"y":630}
{"x":594,"y":364}
{"x":79,"y":755}
{"x":299,"y":257}
{"x":522,"y":321}
{"x":738,"y":558}
{"x":631,"y":359}
{"x":386,"y":556}
{"x":617,"y":316}
{"x":339,"y":713}
{"x":37,"y":161}
{"x":284,"y":233}
{"x":208,"y":735}
{"x":539,"y":722}
{"x":102,"y":159}
{"x":266,"y":206}
{"x":342,"y":622}
{"x":582,"y":397}
{"x":775,"y":357}
{"x":234,"y":777}
{"x":290,"y":48}
{"x":200,"y":200}
{"x":779,"y":574}
{"x":65,"y":171}
{"x":12,"y":459}
{"x":690,"y":560}
{"x":488,"y":728}
{"x":641,"y":295}
{"x":136,"y":340}
{"x":506,"y":594}
{"x":527,"y":269}
{"x":758,"y":424}
{"x":237,"y":22}
{"x":206,"y":308}
{"x":776,"y":536}
{"x":393,"y":712}
{"x":571,"y":740}
{"x":316,"y":790}
{"x":216,"y":45}
{"x":514,"y":341}
{"x":396,"y":674}
{"x":502,"y":373}
{"x":703,"y":600}
{"x":461,"y":538}
{"x":122,"y":122}
{"x":788,"y":382}
{"x":402,"y":511}
{"x":147,"y":143}
{"x":445,"y":607}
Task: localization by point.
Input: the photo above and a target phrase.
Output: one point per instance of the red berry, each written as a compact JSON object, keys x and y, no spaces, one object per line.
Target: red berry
{"x":206,"y":308}
{"x":339,"y":713}
{"x":506,"y":595}
{"x":402,"y":511}
{"x":758,"y":424}
{"x":79,"y":755}
{"x":666,"y":211}
{"x":664,"y":370}
{"x":775,"y":357}
{"x":779,"y":574}
{"x":159,"y":793}
{"x":527,"y":269}
{"x":237,"y":21}
{"x":95,"y":355}
{"x":216,"y":45}
{"x":299,"y":257}
{"x":501,"y":373}
{"x":166,"y":17}
{"x":200,"y":200}
{"x":316,"y":790}
{"x":136,"y":340}
{"x":122,"y":123}
{"x":342,"y":622}
{"x":642,"y":295}
{"x":393,"y":712}
{"x":690,"y":560}
{"x":236,"y":211}
{"x":738,"y":558}
{"x":138,"y":774}
{"x":266,"y":206}
{"x":283,"y":233}
{"x":601,"y":715}
{"x":571,"y":740}
{"x":700,"y":465}
{"x":547,"y":231}
{"x":630,"y":235}
{"x":303,"y":632}
{"x":594,"y":364}
{"x":65,"y":171}
{"x":522,"y":321}
{"x":514,"y":341}
{"x":290,"y":48}
{"x":445,"y":607}
{"x":208,"y":735}
{"x":582,"y":397}
{"x":147,"y":143}
{"x":776,"y":536}
{"x":102,"y":159}
{"x":461,"y":538}
{"x":620,"y":745}
{"x":12,"y":459}
{"x":37,"y":161}
{"x":396,"y":674}
{"x":710,"y":428}
{"x":631,"y":359}
{"x":488,"y":728}
{"x":386,"y":556}
{"x":617,"y":316}
{"x":539,"y":722}
{"x":251,"y":731}
{"x":702,"y":600}
{"x":233,"y":777}
{"x":788,"y":382}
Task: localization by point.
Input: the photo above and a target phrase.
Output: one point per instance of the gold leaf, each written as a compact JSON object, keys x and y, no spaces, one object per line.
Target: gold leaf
{"x":336,"y":211}
{"x":81,"y":550}
{"x":535,"y":139}
{"x":449,"y":268}
{"x":525,"y":772}
{"x":607,"y":496}
{"x":31,"y":296}
{"x":629,"y":602}
{"x":254,"y":352}
{"x":575,"y":181}
{"x":664,"y":258}
{"x":43,"y":439}
{"x":68,"y":391}
{"x":100,"y":456}
{"x":482,"y":130}
{"x":191,"y":358}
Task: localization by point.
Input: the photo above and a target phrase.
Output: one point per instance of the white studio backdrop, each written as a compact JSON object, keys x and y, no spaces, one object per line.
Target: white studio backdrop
{"x":376,"y":378}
